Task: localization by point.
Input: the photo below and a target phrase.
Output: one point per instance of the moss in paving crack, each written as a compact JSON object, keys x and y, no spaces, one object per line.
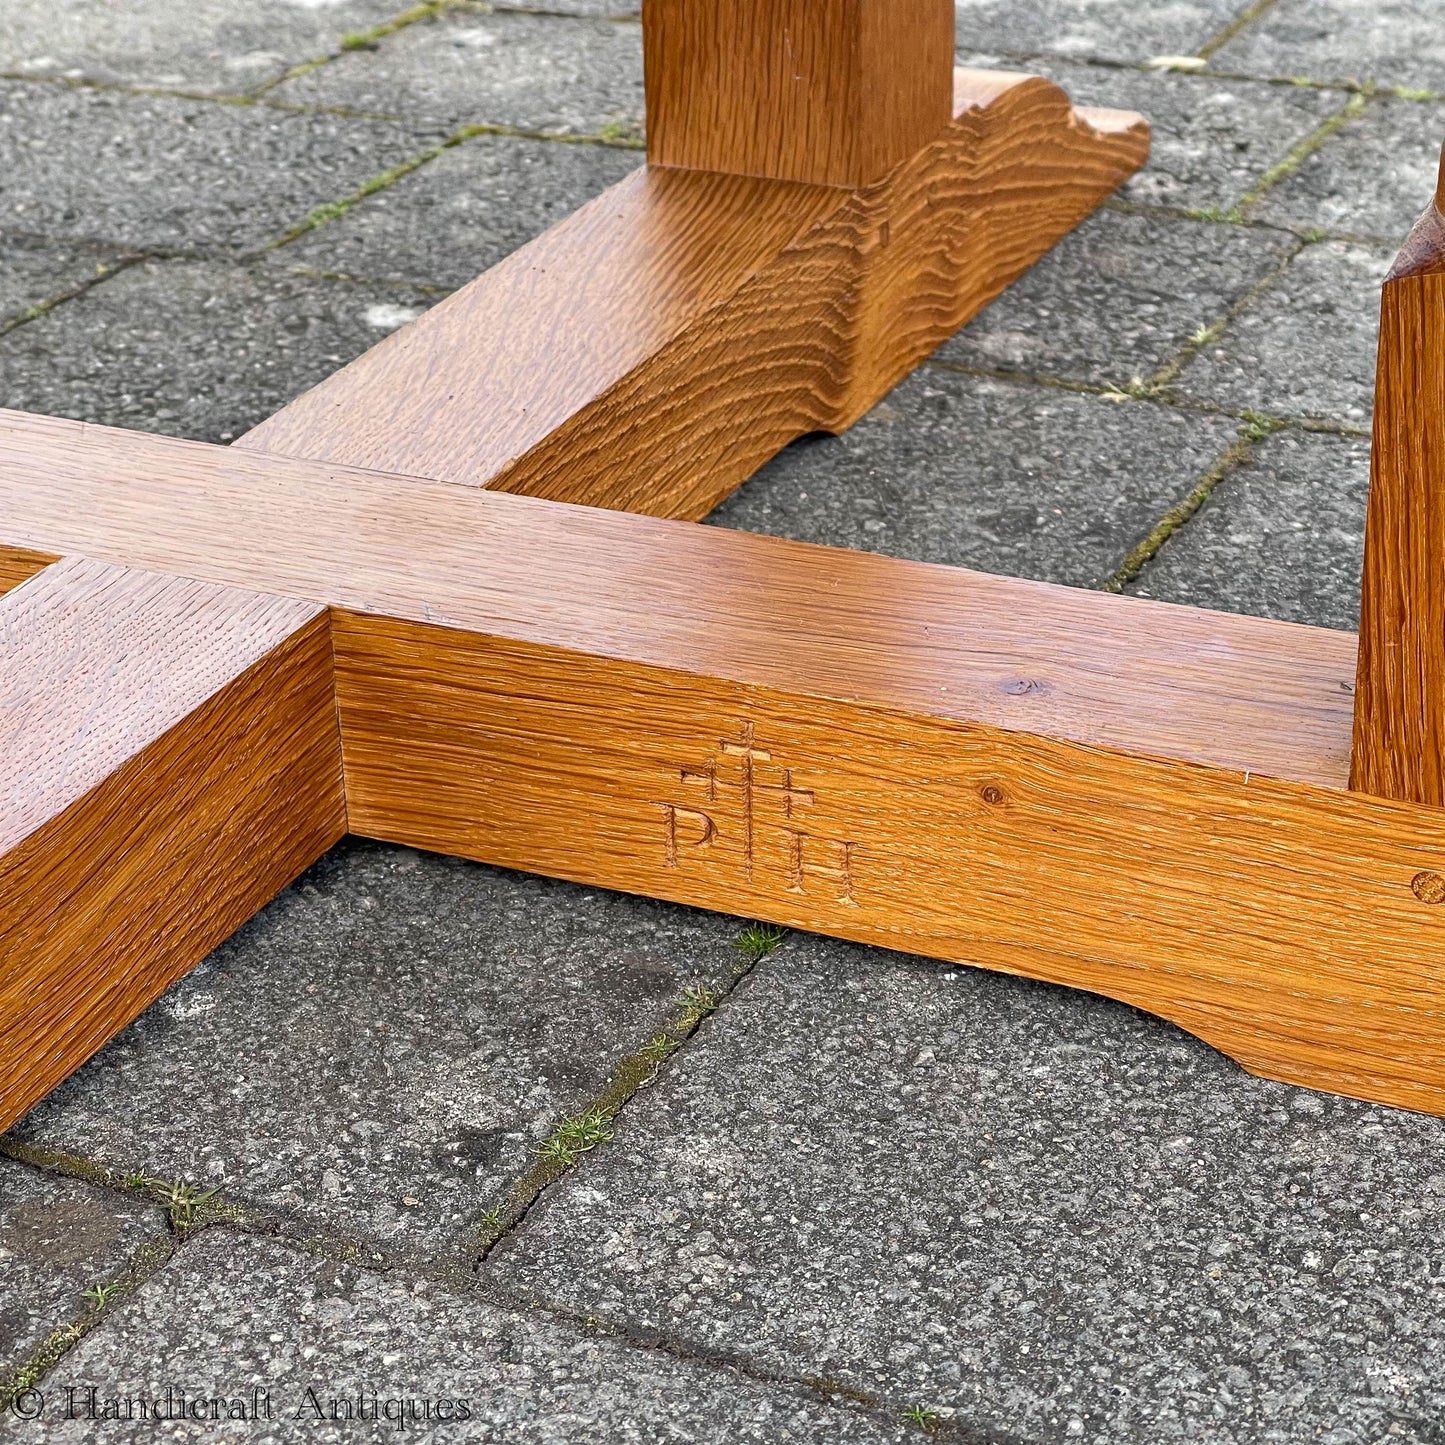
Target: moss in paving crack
{"x":127,"y":87}
{"x":334,"y":210}
{"x":1254,"y":429}
{"x":1246,"y":18}
{"x":578,"y":1135}
{"x":1281,"y":170}
{"x":1169,"y":372}
{"x":358,"y":40}
{"x":57,"y":1161}
{"x":53,"y":1349}
{"x":44,"y":308}
{"x":98,"y":1299}
{"x":617,"y":132}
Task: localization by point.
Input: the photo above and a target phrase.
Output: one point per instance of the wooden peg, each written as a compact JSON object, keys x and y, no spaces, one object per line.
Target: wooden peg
{"x":836,"y":92}
{"x":1399,"y":735}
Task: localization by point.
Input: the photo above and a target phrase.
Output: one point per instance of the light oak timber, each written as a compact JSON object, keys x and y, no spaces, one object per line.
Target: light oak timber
{"x":652,"y":351}
{"x":972,"y":768}
{"x":1230,"y":692}
{"x":834,"y":93}
{"x":169,"y":760}
{"x":1399,"y":744}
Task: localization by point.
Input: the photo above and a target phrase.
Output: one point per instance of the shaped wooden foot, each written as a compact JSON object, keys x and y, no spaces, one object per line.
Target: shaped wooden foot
{"x":652,"y":351}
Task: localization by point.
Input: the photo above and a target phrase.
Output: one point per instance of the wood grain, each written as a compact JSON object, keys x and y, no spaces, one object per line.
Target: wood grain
{"x":1233,"y":692}
{"x":835,"y":94}
{"x":169,"y":760}
{"x":971,"y":768}
{"x":1295,"y":927}
{"x":17,"y":566}
{"x":652,"y":351}
{"x":1399,"y":742}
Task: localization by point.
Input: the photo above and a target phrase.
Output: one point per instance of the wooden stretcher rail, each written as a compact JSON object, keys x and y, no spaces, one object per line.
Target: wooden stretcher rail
{"x":1235,"y":693}
{"x":1123,"y":796}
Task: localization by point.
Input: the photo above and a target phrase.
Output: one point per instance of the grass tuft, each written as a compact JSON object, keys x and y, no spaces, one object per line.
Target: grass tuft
{"x":574,"y":1137}
{"x":758,"y":940}
{"x":101,"y":1294}
{"x":923,"y":1417}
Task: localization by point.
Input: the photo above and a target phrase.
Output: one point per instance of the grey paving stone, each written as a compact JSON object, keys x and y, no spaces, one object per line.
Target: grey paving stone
{"x":1283,"y":536}
{"x":1109,"y":29}
{"x":1118,"y":298}
{"x":1371,"y":179}
{"x":537,"y":72}
{"x":1045,"y":1212}
{"x":201,"y":349}
{"x":1023,"y":480}
{"x":156,"y":172}
{"x":462,"y":212}
{"x":1391,"y":42}
{"x":235,"y":1318}
{"x":381,"y":1049}
{"x":34,"y":270}
{"x":211,"y":45}
{"x":1306,"y":347}
{"x":602,"y":9}
{"x":1213,"y":140}
{"x":57,"y":1238}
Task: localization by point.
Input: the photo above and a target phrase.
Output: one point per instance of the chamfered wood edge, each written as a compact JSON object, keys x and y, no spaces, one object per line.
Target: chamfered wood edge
{"x":1423,"y":253}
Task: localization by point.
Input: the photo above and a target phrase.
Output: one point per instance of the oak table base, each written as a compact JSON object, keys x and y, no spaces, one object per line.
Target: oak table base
{"x":217,"y":661}
{"x":1143,"y":800}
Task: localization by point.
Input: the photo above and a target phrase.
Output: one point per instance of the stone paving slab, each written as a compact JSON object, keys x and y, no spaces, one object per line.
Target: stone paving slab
{"x":1385,"y":41}
{"x":163,"y":173}
{"x":928,"y":475}
{"x":1118,"y":299}
{"x":200,"y":349}
{"x":1045,"y":1212}
{"x":1097,"y":29}
{"x":58,"y":1238}
{"x":535,"y":72}
{"x":1306,"y":347}
{"x":597,"y":9}
{"x":34,"y":271}
{"x":468,"y":209}
{"x":1371,"y":179}
{"x":210,"y":45}
{"x":230,"y":1317}
{"x":1283,"y":536}
{"x":379,"y":1052}
{"x":1212,"y":140}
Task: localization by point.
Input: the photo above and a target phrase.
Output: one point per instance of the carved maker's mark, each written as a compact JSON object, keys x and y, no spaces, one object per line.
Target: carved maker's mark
{"x":741,"y":787}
